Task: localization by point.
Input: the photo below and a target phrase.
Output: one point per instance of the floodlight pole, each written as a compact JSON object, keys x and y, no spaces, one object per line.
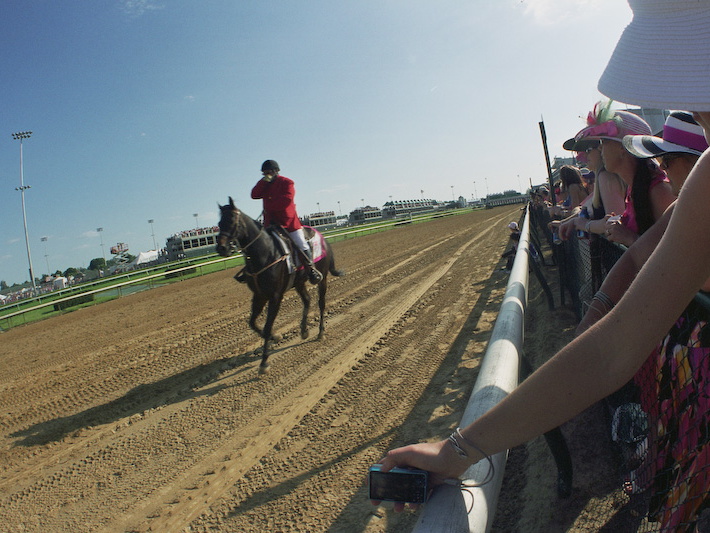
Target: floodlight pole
{"x":101,"y":237}
{"x":152,"y":232}
{"x":22,"y":188}
{"x":46,"y":256}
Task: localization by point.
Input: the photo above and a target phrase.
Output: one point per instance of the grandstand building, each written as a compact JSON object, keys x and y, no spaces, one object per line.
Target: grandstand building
{"x":365,"y":214}
{"x":192,"y":243}
{"x":407,"y":207}
{"x":325,"y":220}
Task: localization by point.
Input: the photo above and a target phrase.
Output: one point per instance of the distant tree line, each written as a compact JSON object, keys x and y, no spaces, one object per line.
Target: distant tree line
{"x":97,"y":264}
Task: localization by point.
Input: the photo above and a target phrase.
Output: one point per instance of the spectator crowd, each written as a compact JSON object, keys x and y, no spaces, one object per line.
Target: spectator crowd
{"x":643,"y":331}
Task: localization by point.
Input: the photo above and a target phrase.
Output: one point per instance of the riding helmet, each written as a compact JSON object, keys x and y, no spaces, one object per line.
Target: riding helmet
{"x":270,"y":164}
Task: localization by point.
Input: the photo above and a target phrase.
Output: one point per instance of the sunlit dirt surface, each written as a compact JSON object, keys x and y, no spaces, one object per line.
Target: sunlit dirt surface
{"x":148,"y":413}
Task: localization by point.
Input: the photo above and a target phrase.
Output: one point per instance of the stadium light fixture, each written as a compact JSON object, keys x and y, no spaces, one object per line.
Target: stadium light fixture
{"x":46,"y":256}
{"x":103,"y":250}
{"x":20,"y":136}
{"x":152,"y":233}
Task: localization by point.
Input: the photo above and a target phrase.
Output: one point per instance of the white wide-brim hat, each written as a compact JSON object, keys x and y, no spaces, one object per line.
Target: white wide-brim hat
{"x":662,"y":59}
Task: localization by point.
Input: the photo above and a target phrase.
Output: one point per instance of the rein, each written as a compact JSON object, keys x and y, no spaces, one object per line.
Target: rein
{"x":233,"y":235}
{"x":232,"y":238}
{"x":267,"y":267}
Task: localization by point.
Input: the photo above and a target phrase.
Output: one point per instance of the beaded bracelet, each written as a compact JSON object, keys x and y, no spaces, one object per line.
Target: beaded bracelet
{"x":453,"y":440}
{"x":604,"y":299}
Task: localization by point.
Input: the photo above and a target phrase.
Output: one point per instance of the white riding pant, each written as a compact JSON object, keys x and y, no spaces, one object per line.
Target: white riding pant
{"x":299,"y":239}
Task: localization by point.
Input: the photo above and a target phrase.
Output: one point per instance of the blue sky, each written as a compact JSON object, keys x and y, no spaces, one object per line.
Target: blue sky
{"x":160,"y":109}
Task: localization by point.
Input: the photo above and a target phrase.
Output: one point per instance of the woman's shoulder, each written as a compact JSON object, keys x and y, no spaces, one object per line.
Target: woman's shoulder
{"x":579,"y":188}
{"x":609,"y":181}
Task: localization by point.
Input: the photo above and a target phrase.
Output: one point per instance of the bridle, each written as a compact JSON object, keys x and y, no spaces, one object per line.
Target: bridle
{"x":232,"y":238}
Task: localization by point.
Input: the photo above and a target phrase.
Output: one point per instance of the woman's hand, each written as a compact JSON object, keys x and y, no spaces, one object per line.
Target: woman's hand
{"x":567,"y":228}
{"x":617,"y":232}
{"x":438,"y":458}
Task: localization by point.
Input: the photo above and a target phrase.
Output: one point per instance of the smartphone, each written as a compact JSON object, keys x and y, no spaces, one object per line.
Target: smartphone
{"x":407,"y":485}
{"x":615,"y":218}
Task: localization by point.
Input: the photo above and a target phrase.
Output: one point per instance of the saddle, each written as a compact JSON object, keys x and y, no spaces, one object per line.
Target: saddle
{"x":284,"y":243}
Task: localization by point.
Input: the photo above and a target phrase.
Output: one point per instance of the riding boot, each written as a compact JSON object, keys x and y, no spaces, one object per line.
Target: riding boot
{"x":314,"y":276}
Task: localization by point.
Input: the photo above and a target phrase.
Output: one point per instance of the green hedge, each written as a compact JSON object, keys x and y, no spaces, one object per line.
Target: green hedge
{"x":82,"y":299}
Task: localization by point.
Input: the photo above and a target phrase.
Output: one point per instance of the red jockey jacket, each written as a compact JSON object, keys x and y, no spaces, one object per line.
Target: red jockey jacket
{"x":279,"y":207}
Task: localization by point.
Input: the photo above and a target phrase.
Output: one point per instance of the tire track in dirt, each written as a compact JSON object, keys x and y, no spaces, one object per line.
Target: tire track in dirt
{"x":264,"y":435}
{"x":339,"y":419}
{"x":167,"y":446}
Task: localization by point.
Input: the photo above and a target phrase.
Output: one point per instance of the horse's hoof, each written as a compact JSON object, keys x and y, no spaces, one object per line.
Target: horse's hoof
{"x":263,"y":369}
{"x":304,"y":333}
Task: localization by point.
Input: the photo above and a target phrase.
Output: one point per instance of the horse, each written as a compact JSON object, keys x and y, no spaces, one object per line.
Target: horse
{"x":267,"y":273}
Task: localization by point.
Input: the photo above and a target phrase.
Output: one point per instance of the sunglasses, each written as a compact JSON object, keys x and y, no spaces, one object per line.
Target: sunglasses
{"x":667,"y":160}
{"x":592,"y":148}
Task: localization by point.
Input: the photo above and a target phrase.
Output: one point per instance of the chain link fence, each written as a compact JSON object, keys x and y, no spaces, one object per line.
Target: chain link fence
{"x":660,"y":421}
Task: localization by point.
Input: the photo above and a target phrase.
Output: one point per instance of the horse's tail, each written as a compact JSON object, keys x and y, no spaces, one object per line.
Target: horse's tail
{"x":331,"y":268}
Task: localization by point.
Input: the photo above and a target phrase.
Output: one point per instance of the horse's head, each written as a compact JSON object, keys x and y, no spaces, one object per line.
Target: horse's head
{"x":228,"y":228}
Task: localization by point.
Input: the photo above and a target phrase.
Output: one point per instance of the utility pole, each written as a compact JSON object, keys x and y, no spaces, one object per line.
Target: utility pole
{"x":22,"y":188}
{"x":152,"y":233}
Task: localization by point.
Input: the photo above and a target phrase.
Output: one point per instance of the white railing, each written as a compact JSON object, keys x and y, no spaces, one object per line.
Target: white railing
{"x":453,"y":509}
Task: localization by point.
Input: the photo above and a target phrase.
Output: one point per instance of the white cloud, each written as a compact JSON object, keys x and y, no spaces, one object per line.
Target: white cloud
{"x":137,"y":8}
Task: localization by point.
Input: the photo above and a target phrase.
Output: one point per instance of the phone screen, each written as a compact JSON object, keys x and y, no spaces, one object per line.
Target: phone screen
{"x":398,"y":485}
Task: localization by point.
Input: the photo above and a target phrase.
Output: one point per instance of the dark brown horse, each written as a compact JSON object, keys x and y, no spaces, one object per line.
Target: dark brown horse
{"x":267,"y":273}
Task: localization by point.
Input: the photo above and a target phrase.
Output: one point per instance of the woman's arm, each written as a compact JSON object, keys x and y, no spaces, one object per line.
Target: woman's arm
{"x":577,"y":194}
{"x":624,"y":271}
{"x":612,"y":191}
{"x":604,"y":357}
{"x":591,"y":226}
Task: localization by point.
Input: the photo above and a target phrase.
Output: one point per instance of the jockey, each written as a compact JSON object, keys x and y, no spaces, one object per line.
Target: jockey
{"x":278,"y":192}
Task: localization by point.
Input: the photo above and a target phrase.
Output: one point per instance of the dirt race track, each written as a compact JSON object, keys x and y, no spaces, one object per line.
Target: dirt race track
{"x":147,"y":413}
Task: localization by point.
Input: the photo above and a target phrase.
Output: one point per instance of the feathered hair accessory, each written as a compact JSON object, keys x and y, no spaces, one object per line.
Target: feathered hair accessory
{"x":601,"y":113}
{"x":601,"y":121}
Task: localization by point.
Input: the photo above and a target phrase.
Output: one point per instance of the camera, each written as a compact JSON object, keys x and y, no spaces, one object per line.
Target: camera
{"x":407,"y":485}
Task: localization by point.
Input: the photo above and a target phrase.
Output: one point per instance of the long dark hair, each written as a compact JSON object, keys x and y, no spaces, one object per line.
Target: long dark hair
{"x":570,"y":175}
{"x":646,"y":170}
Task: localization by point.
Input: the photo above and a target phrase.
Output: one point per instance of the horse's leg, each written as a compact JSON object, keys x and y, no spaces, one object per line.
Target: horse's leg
{"x":322,"y":288}
{"x":271,"y":312}
{"x":257,"y":306}
{"x":306,"y":299}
